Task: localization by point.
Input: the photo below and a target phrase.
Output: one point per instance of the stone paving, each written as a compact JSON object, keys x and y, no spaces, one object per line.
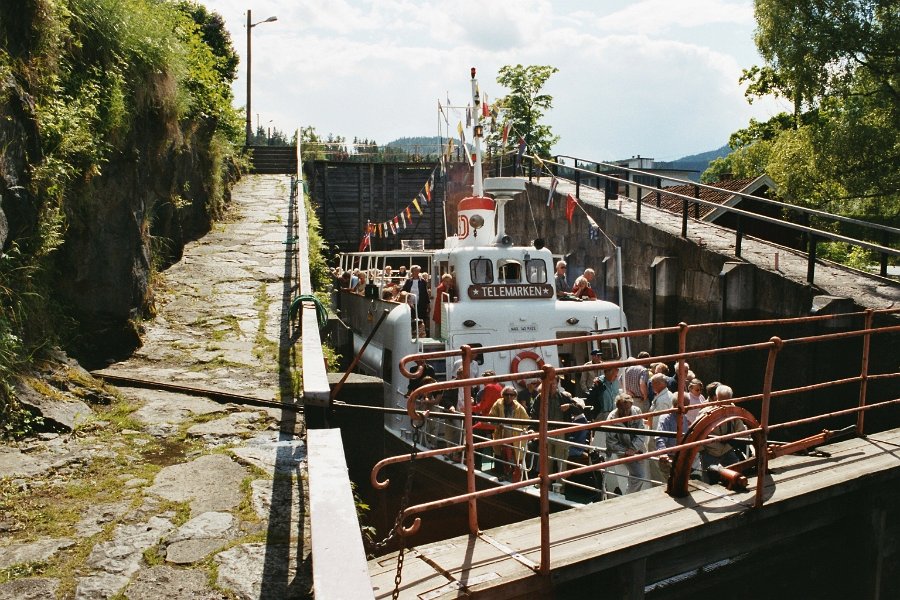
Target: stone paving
{"x":163,"y":495}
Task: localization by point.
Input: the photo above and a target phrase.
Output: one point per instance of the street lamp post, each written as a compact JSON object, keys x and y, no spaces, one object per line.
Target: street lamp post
{"x":251,"y":25}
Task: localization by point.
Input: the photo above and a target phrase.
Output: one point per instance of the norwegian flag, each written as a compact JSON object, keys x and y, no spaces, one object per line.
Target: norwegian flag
{"x":366,"y":242}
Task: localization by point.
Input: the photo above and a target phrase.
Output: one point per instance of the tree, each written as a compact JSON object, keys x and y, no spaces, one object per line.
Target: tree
{"x":525,"y":106}
{"x":837,"y":62}
{"x":215,"y":35}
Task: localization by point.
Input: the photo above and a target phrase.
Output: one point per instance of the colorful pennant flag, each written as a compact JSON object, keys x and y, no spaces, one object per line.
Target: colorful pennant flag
{"x":428,"y":190}
{"x":485,"y":109}
{"x":505,"y":134}
{"x":540,"y":166}
{"x":416,"y":204}
{"x":571,"y":203}
{"x":553,"y":183}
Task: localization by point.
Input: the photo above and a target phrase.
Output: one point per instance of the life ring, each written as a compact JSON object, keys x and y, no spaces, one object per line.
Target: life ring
{"x":514,"y":365}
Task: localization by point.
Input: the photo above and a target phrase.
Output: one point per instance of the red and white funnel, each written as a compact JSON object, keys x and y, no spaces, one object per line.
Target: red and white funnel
{"x":475,"y":221}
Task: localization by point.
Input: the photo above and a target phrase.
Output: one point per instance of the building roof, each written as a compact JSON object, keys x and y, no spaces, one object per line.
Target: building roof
{"x":724,"y":195}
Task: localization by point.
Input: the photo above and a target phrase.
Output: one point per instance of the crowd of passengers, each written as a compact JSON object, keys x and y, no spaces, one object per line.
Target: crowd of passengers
{"x":598,"y":395}
{"x":413,"y":288}
{"x":393,"y":283}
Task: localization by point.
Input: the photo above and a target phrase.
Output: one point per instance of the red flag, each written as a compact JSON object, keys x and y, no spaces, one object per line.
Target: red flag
{"x":367,"y":239}
{"x":571,"y":203}
{"x":505,"y":134}
{"x":485,"y":109}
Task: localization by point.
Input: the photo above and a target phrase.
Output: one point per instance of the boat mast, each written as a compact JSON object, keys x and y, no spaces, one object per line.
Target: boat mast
{"x":477,"y":133}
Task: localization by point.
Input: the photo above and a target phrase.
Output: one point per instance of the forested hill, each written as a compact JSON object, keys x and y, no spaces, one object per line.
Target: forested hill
{"x":435,"y":145}
{"x":696,"y":162}
{"x":421,"y":145}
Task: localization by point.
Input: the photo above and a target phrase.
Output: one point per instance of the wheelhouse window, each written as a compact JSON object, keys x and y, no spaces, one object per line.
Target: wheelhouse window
{"x":509,"y":271}
{"x":481,"y":270}
{"x":536,"y":270}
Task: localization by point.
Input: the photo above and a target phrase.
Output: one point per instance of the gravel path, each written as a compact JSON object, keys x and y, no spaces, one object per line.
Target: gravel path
{"x":164,"y":495}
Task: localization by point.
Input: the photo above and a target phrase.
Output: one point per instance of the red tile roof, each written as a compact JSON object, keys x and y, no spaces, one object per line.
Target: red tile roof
{"x":674,"y":203}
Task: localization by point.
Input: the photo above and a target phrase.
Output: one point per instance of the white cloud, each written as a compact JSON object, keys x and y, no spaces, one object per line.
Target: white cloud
{"x":654,"y":77}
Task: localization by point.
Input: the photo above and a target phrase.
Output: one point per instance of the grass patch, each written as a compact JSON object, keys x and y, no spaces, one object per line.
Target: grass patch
{"x":109,"y":422}
{"x":245,"y":511}
{"x":31,"y":569}
{"x":222,"y":327}
{"x":219,"y":362}
{"x":154,"y":556}
{"x":264,"y":349}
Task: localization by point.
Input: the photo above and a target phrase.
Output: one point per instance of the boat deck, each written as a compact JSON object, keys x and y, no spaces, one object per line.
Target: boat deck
{"x":624,"y":531}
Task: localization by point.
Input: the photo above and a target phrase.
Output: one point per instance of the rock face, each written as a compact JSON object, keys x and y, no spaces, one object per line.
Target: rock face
{"x":133,"y":200}
{"x":18,"y":148}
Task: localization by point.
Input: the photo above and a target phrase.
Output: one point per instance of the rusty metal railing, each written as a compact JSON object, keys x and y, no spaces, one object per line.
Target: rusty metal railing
{"x":758,"y":432}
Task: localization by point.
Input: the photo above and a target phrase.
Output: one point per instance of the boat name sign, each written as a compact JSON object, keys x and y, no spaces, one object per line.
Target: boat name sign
{"x":510,"y":291}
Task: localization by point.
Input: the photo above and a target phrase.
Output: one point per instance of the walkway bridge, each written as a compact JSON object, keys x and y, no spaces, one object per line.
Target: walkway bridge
{"x":647,"y":541}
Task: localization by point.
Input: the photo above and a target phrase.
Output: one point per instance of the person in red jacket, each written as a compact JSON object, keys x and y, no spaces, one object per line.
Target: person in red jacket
{"x":489,"y":394}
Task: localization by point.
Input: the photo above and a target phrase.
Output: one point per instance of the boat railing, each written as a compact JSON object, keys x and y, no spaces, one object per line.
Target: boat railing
{"x":705,"y":430}
{"x":433,"y":435}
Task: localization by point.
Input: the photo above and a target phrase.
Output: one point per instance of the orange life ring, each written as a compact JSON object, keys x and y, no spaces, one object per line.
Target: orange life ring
{"x":514,"y":365}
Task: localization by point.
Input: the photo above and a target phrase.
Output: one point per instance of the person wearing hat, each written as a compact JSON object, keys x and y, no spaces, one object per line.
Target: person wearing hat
{"x":586,"y":380}
{"x":509,"y":455}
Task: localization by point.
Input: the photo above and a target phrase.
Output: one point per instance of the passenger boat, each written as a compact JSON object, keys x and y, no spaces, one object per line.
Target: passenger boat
{"x":505,"y":294}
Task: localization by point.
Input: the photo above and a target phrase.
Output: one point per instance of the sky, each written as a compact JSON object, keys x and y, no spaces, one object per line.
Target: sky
{"x":655,"y":78}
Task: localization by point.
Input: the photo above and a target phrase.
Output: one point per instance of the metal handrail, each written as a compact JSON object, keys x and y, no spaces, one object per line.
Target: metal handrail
{"x":795,"y":207}
{"x":548,"y":374}
{"x":813,"y":234}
